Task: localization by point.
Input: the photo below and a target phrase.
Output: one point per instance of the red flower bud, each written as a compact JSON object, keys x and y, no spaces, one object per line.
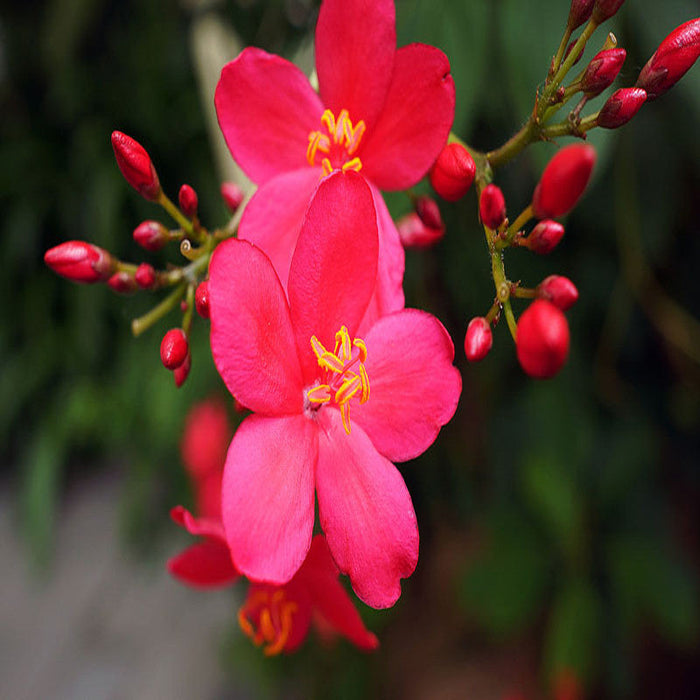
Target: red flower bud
{"x":174,"y":348}
{"x":201,"y":299}
{"x":122,"y":283}
{"x":145,"y":276}
{"x":602,"y":71}
{"x":478,"y":340}
{"x":563,"y":181}
{"x":560,"y":290}
{"x":415,"y":234}
{"x":136,"y":165}
{"x":233,"y":195}
{"x":621,"y":106}
{"x":151,"y":235}
{"x":545,"y":237}
{"x":492,"y":206}
{"x":80,"y":261}
{"x":188,"y":201}
{"x":429,"y":212}
{"x":605,"y":9}
{"x":181,"y":373}
{"x":579,"y":13}
{"x":670,"y":62}
{"x":542,"y":339}
{"x":453,"y":172}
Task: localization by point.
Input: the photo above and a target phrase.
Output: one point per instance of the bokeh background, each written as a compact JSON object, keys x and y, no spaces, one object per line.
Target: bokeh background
{"x":559,"y":520}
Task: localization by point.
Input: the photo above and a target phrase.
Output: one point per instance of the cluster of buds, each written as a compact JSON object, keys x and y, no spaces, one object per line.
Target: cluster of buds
{"x":86,"y":263}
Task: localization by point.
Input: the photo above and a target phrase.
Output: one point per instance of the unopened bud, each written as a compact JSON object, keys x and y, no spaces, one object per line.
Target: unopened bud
{"x":492,"y":206}
{"x":670,"y":62}
{"x":151,"y":235}
{"x":232,"y":195}
{"x":174,"y":348}
{"x":621,"y":106}
{"x":136,"y":165}
{"x":478,"y":340}
{"x":545,"y":237}
{"x":561,"y":291}
{"x":602,"y":71}
{"x":188,"y":201}
{"x":145,"y":276}
{"x":122,"y":283}
{"x":415,"y":234}
{"x":542,"y":341}
{"x":201,"y":299}
{"x":579,"y":13}
{"x":453,"y":172}
{"x":181,"y":373}
{"x":563,"y":181}
{"x":605,"y":9}
{"x":80,"y":262}
{"x":429,"y":212}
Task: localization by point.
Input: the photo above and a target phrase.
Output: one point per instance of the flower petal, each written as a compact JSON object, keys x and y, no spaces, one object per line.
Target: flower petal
{"x":205,"y":564}
{"x":266,"y":109}
{"x":366,"y":512}
{"x":203,"y":527}
{"x":268,"y":496}
{"x":272,"y":219}
{"x":334,"y":268}
{"x":251,"y":333}
{"x":414,"y":388}
{"x":355,"y":46}
{"x":415,"y":121}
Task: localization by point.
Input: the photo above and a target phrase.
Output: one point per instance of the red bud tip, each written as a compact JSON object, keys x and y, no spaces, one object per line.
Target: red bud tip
{"x":429,"y":212}
{"x":492,"y":206}
{"x":181,"y":373}
{"x":602,"y":71}
{"x":415,"y":234}
{"x":560,"y":290}
{"x":563,"y":181}
{"x":621,"y":106}
{"x":80,"y":262}
{"x":201,"y":299}
{"x":151,"y":235}
{"x":542,"y":339}
{"x":478,"y":340}
{"x":174,"y":348}
{"x":232,"y":195}
{"x":188,"y":201}
{"x":605,"y":9}
{"x":670,"y":62}
{"x":453,"y":172}
{"x":122,"y":283}
{"x":136,"y":165}
{"x":545,"y":237}
{"x":145,"y":276}
{"x":579,"y":13}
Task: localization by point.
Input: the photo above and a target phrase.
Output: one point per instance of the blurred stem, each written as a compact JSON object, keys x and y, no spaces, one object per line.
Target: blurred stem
{"x":139,"y":325}
{"x":562,"y":48}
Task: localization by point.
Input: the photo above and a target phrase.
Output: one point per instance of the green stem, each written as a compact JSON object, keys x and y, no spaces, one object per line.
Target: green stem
{"x":525,"y":216}
{"x":182,"y":221}
{"x":529,"y":132}
{"x":562,"y":48}
{"x":139,"y":325}
{"x":568,"y":128}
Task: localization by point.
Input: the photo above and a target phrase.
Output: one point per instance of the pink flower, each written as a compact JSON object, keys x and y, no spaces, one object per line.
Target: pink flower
{"x":330,"y":410}
{"x":379,"y":110}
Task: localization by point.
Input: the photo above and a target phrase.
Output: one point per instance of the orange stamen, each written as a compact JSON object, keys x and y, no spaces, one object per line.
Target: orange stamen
{"x":337,"y":141}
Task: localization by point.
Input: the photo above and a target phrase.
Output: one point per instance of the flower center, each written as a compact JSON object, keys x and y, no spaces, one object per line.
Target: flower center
{"x":344,"y":375}
{"x":336,"y":144}
{"x":266,"y":618}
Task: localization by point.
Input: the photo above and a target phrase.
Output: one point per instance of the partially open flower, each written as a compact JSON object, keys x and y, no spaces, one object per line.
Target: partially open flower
{"x":542,"y":339}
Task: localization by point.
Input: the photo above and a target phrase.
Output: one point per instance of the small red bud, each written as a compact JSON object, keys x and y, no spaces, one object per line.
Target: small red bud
{"x":181,"y":373}
{"x":174,"y":348}
{"x":145,"y":276}
{"x":136,"y":166}
{"x":621,"y":106}
{"x":429,"y":212}
{"x":563,"y":181}
{"x":201,"y":299}
{"x":188,"y":201}
{"x":151,"y":235}
{"x":122,"y":283}
{"x":602,"y":71}
{"x":579,"y":13}
{"x":542,"y":339}
{"x":453,"y":172}
{"x":80,"y":262}
{"x":545,"y":237}
{"x":560,"y":290}
{"x":605,"y":9}
{"x":492,"y":206}
{"x":414,"y":233}
{"x":232,"y":195}
{"x":478,"y":340}
{"x":670,"y":62}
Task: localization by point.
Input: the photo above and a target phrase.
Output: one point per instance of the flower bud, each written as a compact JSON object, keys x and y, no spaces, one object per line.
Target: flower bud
{"x":201,"y":299}
{"x":232,"y":195}
{"x":188,"y":201}
{"x":579,"y":13}
{"x":621,"y":106}
{"x":670,"y":62}
{"x":605,"y":9}
{"x":80,"y":262}
{"x":563,"y":181}
{"x":415,"y":234}
{"x":542,"y":339}
{"x":478,"y":340}
{"x":545,"y":237}
{"x":453,"y":172}
{"x":429,"y":212}
{"x":145,"y":276}
{"x":174,"y":348}
{"x":181,"y":373}
{"x":122,"y":283}
{"x":492,"y":206}
{"x":560,"y":290}
{"x":602,"y":71}
{"x":151,"y":235}
{"x":136,"y":166}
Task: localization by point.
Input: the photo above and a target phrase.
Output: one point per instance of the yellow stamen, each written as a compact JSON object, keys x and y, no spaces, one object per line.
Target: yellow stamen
{"x":319,"y":394}
{"x":364,"y":379}
{"x":338,"y":140}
